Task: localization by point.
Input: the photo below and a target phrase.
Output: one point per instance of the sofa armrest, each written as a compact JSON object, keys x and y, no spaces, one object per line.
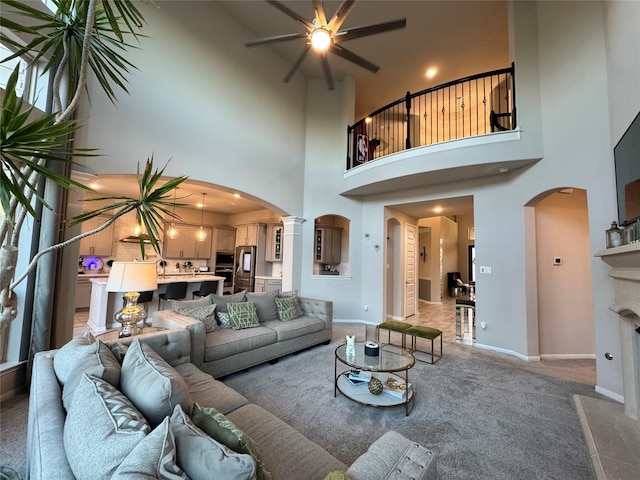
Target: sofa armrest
{"x":394,"y":457}
{"x":170,"y":319}
{"x":173,"y":345}
{"x":322,"y":309}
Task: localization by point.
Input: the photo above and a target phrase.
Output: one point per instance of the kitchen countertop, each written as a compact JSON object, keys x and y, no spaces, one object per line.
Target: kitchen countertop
{"x":170,"y":279}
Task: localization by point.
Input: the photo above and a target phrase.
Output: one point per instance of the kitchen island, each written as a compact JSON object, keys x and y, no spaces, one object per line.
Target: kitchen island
{"x":104,"y":305}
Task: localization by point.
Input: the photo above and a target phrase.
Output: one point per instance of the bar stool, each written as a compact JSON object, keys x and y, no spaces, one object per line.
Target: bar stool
{"x":206,"y":287}
{"x":430,"y":334}
{"x":175,"y":291}
{"x":395,"y":326}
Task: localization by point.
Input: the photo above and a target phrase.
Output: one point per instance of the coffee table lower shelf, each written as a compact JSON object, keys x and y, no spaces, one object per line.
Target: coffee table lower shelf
{"x":361,"y":394}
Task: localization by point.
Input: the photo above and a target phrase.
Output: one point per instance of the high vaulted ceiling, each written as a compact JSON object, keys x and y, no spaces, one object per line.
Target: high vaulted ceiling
{"x":457,"y":38}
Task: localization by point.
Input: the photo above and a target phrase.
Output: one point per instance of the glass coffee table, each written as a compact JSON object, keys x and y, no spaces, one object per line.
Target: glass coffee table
{"x":392,"y":362}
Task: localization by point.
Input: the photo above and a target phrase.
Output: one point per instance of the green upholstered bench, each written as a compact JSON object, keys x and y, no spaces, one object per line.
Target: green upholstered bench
{"x":393,"y":326}
{"x":428,"y":333}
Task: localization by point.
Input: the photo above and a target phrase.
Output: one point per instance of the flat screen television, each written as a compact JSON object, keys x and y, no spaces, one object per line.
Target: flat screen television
{"x":626,"y":156}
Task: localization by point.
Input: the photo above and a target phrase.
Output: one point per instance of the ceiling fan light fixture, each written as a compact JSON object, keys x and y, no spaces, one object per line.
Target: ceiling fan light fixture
{"x":320,"y":39}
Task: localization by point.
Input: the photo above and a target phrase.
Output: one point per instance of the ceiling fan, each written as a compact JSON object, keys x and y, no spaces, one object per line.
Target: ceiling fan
{"x":326,"y":37}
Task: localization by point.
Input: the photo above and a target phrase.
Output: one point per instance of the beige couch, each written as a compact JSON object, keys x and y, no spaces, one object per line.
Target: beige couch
{"x":226,"y":351}
{"x":286,"y":454}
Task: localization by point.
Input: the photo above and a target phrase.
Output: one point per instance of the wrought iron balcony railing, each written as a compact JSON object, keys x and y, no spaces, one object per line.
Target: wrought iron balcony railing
{"x":475,"y":105}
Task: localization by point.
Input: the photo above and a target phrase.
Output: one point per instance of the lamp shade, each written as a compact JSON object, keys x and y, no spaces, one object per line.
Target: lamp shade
{"x":132,"y":277}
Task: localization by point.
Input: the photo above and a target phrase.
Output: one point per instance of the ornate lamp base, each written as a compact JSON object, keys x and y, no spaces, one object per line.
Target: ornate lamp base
{"x":130,"y":315}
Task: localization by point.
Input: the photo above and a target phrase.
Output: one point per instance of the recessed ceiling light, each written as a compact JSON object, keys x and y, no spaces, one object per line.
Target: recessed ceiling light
{"x":236,"y":195}
{"x":368,"y":120}
{"x":431,"y":72}
{"x":94,"y":186}
{"x":437,"y":209}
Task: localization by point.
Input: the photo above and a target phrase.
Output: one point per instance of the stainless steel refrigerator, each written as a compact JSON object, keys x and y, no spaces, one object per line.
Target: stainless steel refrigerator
{"x":245,"y":273}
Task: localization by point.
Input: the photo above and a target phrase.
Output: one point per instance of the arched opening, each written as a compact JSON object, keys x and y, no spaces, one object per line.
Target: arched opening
{"x":331,"y":255}
{"x":559,"y":262}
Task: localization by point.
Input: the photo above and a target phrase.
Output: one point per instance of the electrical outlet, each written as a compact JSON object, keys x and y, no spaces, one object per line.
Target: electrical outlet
{"x":557,"y":260}
{"x":486,"y":270}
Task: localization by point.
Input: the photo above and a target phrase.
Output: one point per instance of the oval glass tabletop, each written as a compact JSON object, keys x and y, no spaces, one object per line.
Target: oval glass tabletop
{"x":390,"y":359}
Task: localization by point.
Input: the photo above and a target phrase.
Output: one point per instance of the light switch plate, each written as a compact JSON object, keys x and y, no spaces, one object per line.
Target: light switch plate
{"x":486,"y":270}
{"x":557,"y":260}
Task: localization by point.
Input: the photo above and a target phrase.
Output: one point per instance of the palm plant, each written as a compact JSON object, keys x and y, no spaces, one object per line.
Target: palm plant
{"x":78,"y":38}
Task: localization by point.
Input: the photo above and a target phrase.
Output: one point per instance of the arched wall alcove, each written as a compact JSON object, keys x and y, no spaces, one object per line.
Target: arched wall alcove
{"x":558,"y":275}
{"x":331,"y":245}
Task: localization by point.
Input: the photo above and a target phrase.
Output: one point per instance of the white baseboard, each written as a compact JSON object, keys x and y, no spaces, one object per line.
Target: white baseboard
{"x":568,"y":356}
{"x":528,"y":358}
{"x":612,"y":395}
{"x":356,"y":321}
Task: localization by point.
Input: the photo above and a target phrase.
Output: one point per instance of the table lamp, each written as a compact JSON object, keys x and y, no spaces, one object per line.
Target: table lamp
{"x":132,"y":278}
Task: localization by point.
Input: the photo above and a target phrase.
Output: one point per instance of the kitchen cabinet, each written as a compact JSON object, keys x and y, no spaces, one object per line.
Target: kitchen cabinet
{"x":99,"y":244}
{"x":225,"y":239}
{"x":274,"y":243}
{"x":83,"y":292}
{"x":186,"y":245}
{"x":267,"y":284}
{"x":328,"y":244}
{"x":249,"y":234}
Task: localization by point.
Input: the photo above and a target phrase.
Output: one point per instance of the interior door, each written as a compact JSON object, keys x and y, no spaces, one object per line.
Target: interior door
{"x":410,"y":271}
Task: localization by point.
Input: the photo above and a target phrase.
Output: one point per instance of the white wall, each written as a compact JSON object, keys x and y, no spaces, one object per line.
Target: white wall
{"x":198,"y":101}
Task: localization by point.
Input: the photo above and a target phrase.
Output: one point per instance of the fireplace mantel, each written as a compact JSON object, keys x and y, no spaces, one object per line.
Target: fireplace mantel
{"x":625,"y":263}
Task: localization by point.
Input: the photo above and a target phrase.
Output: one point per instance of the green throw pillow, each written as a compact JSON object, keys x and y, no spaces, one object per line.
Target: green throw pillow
{"x":243,"y":315}
{"x":287,"y":309}
{"x":205,"y":313}
{"x":292,"y":294}
{"x":223,"y":430}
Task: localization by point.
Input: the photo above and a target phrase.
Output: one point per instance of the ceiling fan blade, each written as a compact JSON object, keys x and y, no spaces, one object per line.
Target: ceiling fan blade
{"x":297,"y":64}
{"x":287,"y":11}
{"x":327,"y":71}
{"x":341,"y":15}
{"x":364,"y":31}
{"x":274,"y":39}
{"x":320,"y":16}
{"x":352,"y":57}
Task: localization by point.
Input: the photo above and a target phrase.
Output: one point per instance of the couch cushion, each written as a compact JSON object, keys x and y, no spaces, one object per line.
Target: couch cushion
{"x":202,"y":457}
{"x":100,"y":363}
{"x":206,"y":390}
{"x":154,"y":386}
{"x":296,"y":327}
{"x":205,"y":313}
{"x":66,"y":358}
{"x":287,"y":309}
{"x":286,"y":451}
{"x":222,"y":300}
{"x":153,"y":457}
{"x":226,"y":342}
{"x":223,"y":430}
{"x":243,"y":315}
{"x":265,"y":303}
{"x":198,"y":302}
{"x":104,"y":418}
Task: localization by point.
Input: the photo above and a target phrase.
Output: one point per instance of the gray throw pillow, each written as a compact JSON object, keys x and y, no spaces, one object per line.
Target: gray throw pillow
{"x":153,"y":385}
{"x":101,"y":430}
{"x":203,"y":458}
{"x":66,"y":358}
{"x":198,"y":302}
{"x":223,"y":300}
{"x":153,"y":457}
{"x":206,"y":314}
{"x":101,"y":363}
{"x":243,"y":315}
{"x":265,"y":303}
{"x":220,"y":428}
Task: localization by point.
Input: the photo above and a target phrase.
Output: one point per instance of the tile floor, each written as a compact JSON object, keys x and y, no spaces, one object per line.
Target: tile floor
{"x":613,"y":439}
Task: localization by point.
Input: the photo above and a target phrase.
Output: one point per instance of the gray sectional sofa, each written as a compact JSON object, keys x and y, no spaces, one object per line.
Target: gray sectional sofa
{"x":56,"y":450}
{"x":226,"y":350}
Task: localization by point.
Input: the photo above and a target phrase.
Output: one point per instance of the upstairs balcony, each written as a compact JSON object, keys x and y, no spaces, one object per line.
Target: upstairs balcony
{"x":421,"y":139}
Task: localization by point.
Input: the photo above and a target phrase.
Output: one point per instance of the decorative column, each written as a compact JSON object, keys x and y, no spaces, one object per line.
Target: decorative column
{"x":625,"y":261}
{"x":291,"y":252}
